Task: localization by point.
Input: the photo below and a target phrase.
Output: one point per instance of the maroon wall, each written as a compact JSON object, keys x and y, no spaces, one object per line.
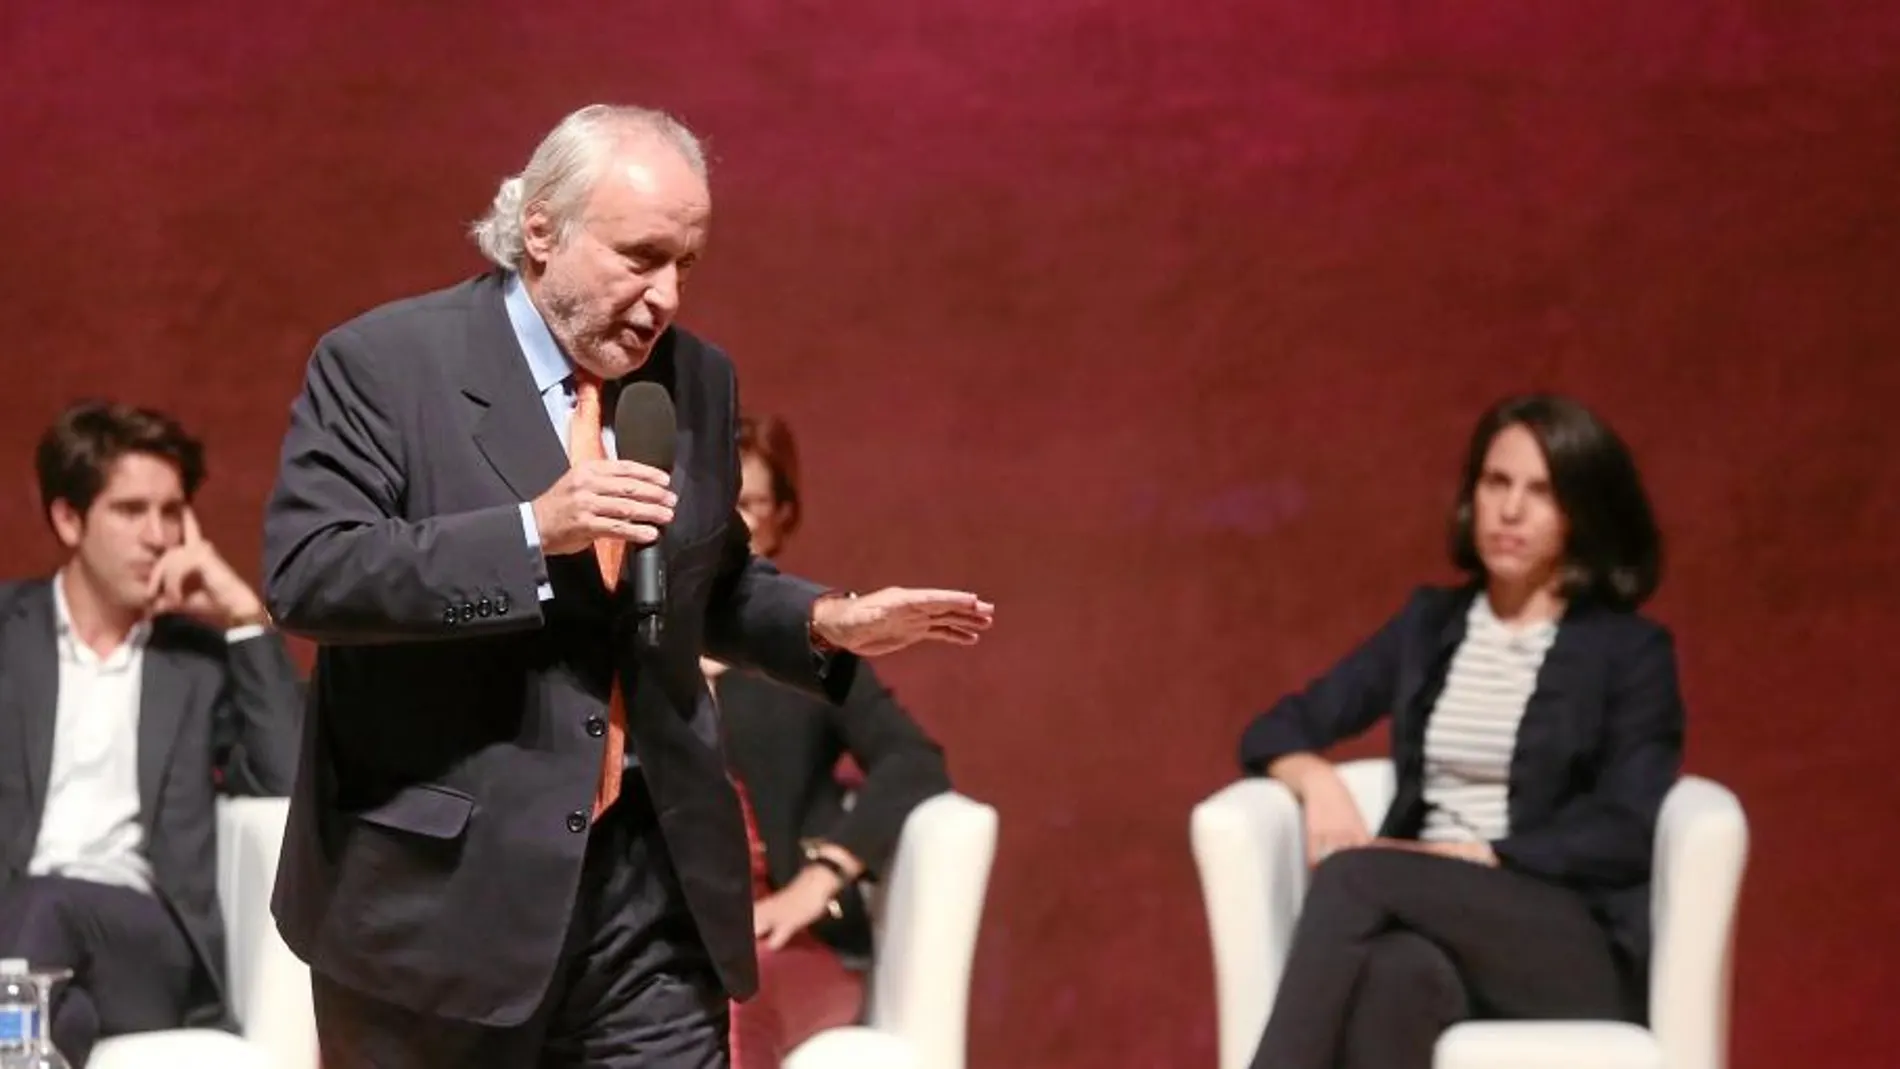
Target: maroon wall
{"x":1160,"y":323}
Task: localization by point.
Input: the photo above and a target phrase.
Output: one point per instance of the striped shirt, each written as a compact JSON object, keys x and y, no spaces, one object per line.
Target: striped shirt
{"x":1472,"y":731}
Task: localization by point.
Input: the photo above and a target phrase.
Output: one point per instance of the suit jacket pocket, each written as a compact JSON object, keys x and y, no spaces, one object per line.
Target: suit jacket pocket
{"x":426,"y":809}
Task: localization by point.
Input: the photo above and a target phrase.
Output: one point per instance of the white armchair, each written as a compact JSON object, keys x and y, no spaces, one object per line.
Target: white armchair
{"x":269,"y":986}
{"x":1248,"y":846}
{"x":925,"y":916}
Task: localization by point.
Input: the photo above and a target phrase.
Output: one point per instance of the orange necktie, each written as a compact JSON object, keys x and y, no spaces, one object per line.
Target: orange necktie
{"x":584,"y":444}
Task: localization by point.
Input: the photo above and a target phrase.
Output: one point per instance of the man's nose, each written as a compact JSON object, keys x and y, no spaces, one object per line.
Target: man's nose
{"x":663,"y":293}
{"x":160,"y":532}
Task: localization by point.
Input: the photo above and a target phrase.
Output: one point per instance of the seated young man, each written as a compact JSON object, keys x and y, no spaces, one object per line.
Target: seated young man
{"x":135,"y":684}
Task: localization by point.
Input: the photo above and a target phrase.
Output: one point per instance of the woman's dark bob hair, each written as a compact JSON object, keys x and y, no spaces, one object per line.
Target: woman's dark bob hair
{"x":1613,"y":553}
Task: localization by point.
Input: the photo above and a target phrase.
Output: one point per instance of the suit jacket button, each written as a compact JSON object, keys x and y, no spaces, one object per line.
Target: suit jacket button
{"x":577,"y":822}
{"x":501,"y":604}
{"x":483,"y":608}
{"x":596,"y":726}
{"x":448,"y":615}
{"x":468,"y":612}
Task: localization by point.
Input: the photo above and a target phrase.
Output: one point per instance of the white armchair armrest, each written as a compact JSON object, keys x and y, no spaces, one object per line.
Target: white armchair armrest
{"x":1701,"y":852}
{"x":1249,"y":845}
{"x":270,"y":987}
{"x":926,"y":915}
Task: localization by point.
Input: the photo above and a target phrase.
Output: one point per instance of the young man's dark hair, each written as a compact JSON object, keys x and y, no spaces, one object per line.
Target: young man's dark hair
{"x":78,"y":450}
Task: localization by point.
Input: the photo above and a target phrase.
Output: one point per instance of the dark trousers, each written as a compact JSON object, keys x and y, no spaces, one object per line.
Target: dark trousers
{"x":1393,"y":947}
{"x":132,"y":965}
{"x":634,"y":989}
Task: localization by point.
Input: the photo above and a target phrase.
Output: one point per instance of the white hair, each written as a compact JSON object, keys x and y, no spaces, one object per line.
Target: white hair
{"x":564,"y":167}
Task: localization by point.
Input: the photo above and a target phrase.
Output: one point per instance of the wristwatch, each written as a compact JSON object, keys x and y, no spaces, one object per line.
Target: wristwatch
{"x":809,"y":847}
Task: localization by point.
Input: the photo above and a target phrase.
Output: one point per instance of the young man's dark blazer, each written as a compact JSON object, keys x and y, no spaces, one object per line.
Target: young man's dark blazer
{"x":213,"y":716}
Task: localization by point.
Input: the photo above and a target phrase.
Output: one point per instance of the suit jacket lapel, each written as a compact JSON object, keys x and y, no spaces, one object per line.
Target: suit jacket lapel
{"x":164,"y":690}
{"x":1544,"y":735}
{"x":690,"y":494}
{"x":511,"y":428}
{"x":1553,"y":726}
{"x":29,"y":693}
{"x":511,"y":424}
{"x":1425,"y":679}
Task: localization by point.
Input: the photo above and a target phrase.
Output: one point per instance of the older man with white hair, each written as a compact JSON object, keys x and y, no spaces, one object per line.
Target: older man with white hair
{"x":512,"y":838}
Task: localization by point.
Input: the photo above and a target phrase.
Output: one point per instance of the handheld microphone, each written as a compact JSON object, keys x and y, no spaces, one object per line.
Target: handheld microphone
{"x":645,"y":429}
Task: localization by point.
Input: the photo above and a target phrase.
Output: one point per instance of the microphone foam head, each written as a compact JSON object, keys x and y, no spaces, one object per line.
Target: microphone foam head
{"x":645,"y":426}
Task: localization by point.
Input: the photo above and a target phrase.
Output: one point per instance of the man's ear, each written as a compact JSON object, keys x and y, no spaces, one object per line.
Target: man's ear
{"x":68,"y":523}
{"x":540,"y":234}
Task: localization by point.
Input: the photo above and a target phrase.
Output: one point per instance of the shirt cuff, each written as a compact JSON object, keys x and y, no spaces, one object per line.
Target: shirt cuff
{"x":242,"y":634}
{"x":543,"y":589}
{"x":823,"y":651}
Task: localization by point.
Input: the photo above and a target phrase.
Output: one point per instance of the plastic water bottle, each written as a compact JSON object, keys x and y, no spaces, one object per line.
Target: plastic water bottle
{"x":24,"y":998}
{"x":19,"y":1014}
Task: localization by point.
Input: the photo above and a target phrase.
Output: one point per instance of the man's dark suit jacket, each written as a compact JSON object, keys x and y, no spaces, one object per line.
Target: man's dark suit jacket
{"x":785,"y":746}
{"x":1598,"y":749}
{"x":454,"y":739}
{"x":212,"y":716}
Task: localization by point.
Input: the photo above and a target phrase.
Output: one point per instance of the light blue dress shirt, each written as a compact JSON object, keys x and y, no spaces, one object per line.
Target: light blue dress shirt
{"x":554,"y":377}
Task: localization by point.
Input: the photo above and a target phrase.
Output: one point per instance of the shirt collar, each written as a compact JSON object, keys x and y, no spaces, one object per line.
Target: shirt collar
{"x":549,"y":365}
{"x":1483,"y":617}
{"x":68,"y":639}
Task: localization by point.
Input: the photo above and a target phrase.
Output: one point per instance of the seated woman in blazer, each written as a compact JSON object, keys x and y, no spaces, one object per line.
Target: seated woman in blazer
{"x":809,"y":850}
{"x":1536,"y":727}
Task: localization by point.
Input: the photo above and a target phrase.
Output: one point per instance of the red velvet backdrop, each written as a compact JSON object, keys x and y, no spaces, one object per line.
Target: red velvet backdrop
{"x":1160,"y":323}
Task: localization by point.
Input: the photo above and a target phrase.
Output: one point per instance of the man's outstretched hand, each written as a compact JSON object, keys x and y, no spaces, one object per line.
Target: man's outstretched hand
{"x":896,"y":617}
